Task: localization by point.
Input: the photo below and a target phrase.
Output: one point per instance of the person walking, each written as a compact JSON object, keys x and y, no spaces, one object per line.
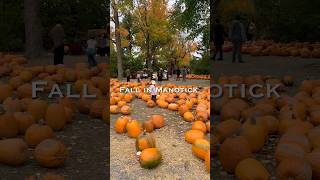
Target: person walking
{"x":238,"y":36}
{"x":178,"y":74}
{"x":184,"y":73}
{"x":160,"y":75}
{"x":91,"y":50}
{"x":153,"y":90}
{"x":57,"y":36}
{"x":139,"y":76}
{"x":251,"y":31}
{"x":218,"y":40}
{"x":128,"y":75}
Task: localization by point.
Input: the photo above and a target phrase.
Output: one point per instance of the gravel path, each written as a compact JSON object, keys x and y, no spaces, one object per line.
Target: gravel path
{"x":178,"y":161}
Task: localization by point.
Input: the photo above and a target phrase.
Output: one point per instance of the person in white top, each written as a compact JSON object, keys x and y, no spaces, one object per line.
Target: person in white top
{"x":91,"y":51}
{"x":153,"y":90}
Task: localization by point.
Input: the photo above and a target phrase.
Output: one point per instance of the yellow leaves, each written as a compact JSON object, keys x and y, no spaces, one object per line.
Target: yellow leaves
{"x":140,"y":37}
{"x":125,"y":43}
{"x":193,"y":47}
{"x":186,"y":59}
{"x":123,"y":32}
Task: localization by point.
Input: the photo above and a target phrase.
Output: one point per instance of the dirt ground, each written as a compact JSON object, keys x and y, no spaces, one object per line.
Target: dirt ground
{"x":299,"y":68}
{"x":178,"y":161}
{"x":86,"y":139}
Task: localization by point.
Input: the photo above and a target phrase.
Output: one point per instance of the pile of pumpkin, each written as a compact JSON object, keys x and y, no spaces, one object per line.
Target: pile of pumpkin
{"x":270,"y":48}
{"x":198,"y":76}
{"x":30,"y":123}
{"x":183,"y":103}
{"x":245,"y":125}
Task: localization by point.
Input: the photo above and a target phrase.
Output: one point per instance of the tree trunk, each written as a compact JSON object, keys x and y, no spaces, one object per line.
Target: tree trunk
{"x":148,"y":56}
{"x":130,"y":35}
{"x":118,"y":40}
{"x":213,"y":14}
{"x":33,"y":28}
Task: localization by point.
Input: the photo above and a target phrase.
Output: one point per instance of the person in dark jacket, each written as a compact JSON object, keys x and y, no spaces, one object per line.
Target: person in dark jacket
{"x":178,"y":74}
{"x":160,"y":75}
{"x":128,"y":74}
{"x":57,"y":36}
{"x":219,"y":35}
{"x":238,"y":36}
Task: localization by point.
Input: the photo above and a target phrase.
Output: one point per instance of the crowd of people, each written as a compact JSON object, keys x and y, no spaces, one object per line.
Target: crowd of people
{"x":159,"y":75}
{"x":95,"y":45}
{"x":238,"y":34}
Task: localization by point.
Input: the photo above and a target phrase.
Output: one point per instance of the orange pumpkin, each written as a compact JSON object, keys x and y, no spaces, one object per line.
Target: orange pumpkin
{"x":314,"y":160}
{"x":56,"y":116}
{"x":162,"y":104}
{"x":50,"y":69}
{"x":26,"y":76}
{"x":199,"y":125}
{"x":133,"y":128}
{"x":24,"y":120}
{"x":70,"y":75}
{"x":97,"y":107}
{"x":188,"y":116}
{"x":148,"y":125}
{"x":151,"y":103}
{"x":9,"y":126}
{"x":201,"y":116}
{"x":315,"y":117}
{"x":51,"y":153}
{"x":200,"y":147}
{"x":13,"y":151}
{"x":37,"y":108}
{"x":121,"y":124}
{"x":121,"y":103}
{"x":232,"y":151}
{"x":226,"y":129}
{"x":173,"y":106}
{"x":293,"y":168}
{"x":37,"y":133}
{"x":5,"y":92}
{"x":158,"y":121}
{"x":183,"y":109}
{"x":297,"y":139}
{"x":12,"y":105}
{"x":192,"y":135}
{"x":126,"y":110}
{"x":251,"y":169}
{"x":313,"y":136}
{"x":144,"y":141}
{"x":255,"y":134}
{"x":288,"y":150}
{"x":15,"y":82}
{"x":150,"y":158}
{"x":84,"y":105}
{"x":24,"y":91}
